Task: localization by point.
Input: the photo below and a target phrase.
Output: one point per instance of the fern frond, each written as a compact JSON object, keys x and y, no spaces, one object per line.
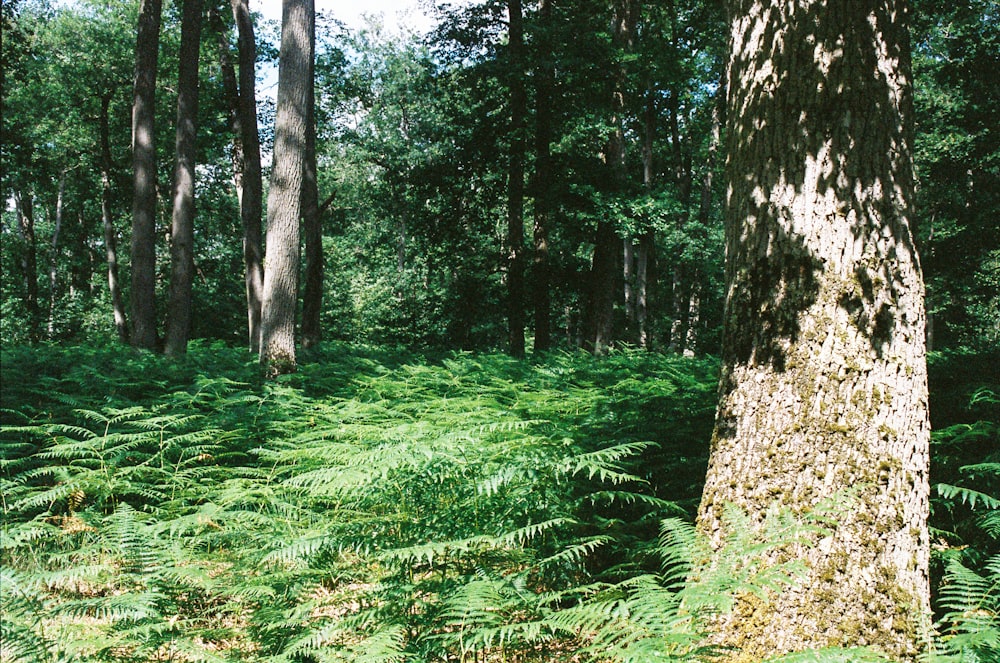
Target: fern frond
{"x":575,"y":553}
{"x":967,"y":496}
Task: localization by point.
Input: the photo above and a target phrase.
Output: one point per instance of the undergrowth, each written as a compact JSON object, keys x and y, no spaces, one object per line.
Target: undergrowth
{"x":379,"y":506}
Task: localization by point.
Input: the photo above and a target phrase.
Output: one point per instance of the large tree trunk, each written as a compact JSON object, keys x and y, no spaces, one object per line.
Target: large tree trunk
{"x":281,"y":271}
{"x":251,"y":182}
{"x":107,"y":222}
{"x":515,"y":181}
{"x":823,"y":389}
{"x":182,"y":221}
{"x":544,"y":82}
{"x":143,"y":249}
{"x":312,"y":295}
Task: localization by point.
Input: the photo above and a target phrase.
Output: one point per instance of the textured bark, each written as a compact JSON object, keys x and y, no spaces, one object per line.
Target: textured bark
{"x":182,"y":218}
{"x":544,"y":82}
{"x":823,"y":389}
{"x":107,"y":222}
{"x":143,"y":249}
{"x":281,"y":269}
{"x":515,"y":181}
{"x":312,"y":296}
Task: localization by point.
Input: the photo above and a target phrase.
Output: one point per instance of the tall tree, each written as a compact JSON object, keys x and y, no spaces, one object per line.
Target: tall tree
{"x":107,"y":221}
{"x":182,"y":220}
{"x":823,"y":389}
{"x":281,"y":271}
{"x":143,"y":249}
{"x":312,"y":229}
{"x":251,"y":203}
{"x":607,"y":244}
{"x":54,"y":257}
{"x":25,"y":201}
{"x":515,"y":179}
{"x":542,"y":177}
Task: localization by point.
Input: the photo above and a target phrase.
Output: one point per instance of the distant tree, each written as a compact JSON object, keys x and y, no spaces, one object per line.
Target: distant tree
{"x":541,"y":183}
{"x":281,"y":270}
{"x":823,"y":390}
{"x":24,"y":201}
{"x":110,"y":233}
{"x":143,"y":249}
{"x":515,"y":179}
{"x":251,"y":202}
{"x":312,"y":229}
{"x":606,"y":260}
{"x":182,"y":221}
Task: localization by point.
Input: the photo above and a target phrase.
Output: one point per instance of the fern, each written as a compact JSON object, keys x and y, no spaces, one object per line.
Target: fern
{"x":970,"y":627}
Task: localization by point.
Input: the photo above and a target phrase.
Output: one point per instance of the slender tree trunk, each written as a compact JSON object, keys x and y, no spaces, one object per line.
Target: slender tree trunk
{"x":629,"y":268}
{"x":544,"y":82}
{"x":251,"y":183}
{"x":515,"y":181}
{"x":277,"y":348}
{"x":312,"y":296}
{"x":681,"y":166}
{"x":692,"y":315}
{"x":823,"y":389}
{"x":29,"y":259}
{"x":643,"y":260}
{"x":143,"y":249}
{"x":107,"y":223}
{"x":182,"y":222}
{"x":604,"y":270}
{"x":647,"y":242}
{"x":54,"y":258}
{"x":680,"y":286}
{"x":692,"y":318}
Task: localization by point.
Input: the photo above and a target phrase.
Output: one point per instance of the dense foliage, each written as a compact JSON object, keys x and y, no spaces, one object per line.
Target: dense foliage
{"x":413,"y":141}
{"x":389,"y":506}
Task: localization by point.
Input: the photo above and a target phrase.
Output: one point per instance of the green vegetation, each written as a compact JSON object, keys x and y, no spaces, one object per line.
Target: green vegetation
{"x":410,"y":494}
{"x":386,"y":506}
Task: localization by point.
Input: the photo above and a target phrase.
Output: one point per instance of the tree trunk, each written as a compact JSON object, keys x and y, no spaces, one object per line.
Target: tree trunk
{"x":692,"y":316}
{"x":251,"y":182}
{"x":54,"y":258}
{"x":607,"y":245}
{"x":29,"y":259}
{"x":823,"y":389}
{"x":629,"y":268}
{"x":312,"y":296}
{"x":182,"y":222}
{"x":107,"y":222}
{"x":281,"y":270}
{"x":515,"y":181}
{"x":647,"y":242}
{"x":643,"y":259}
{"x":143,"y":249}
{"x":544,"y":82}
